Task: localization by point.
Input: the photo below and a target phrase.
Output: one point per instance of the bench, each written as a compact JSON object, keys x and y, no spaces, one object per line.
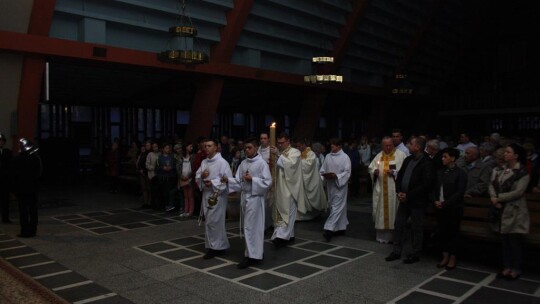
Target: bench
{"x":475,"y":223}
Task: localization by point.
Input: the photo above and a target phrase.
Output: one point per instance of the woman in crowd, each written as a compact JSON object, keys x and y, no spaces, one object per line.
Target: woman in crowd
{"x":449,"y":191}
{"x":166,"y":173}
{"x":185,"y":180}
{"x":507,"y":192}
{"x":151,"y":160}
{"x":142,"y":173}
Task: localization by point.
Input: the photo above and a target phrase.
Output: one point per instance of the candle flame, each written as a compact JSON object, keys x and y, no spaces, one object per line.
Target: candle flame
{"x":273,"y":124}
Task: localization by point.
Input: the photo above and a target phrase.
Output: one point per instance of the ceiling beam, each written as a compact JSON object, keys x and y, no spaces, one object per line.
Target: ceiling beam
{"x":236,"y":20}
{"x":347,"y":31}
{"x":11,"y":42}
{"x":41,"y":17}
{"x":403,"y":65}
{"x":32,"y":71}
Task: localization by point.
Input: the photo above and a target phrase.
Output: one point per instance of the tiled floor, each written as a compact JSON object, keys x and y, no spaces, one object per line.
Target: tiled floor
{"x":470,"y":286}
{"x":298,"y":261}
{"x":64,"y":282}
{"x":117,"y":220}
{"x":101,"y":248}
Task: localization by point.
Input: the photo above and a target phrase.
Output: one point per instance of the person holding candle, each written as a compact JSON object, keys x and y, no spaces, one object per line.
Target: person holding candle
{"x":383,"y":171}
{"x":289,"y":190}
{"x":253,"y":179}
{"x":212,"y":178}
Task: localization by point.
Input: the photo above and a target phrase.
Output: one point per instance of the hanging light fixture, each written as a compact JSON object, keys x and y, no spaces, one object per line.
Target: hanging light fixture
{"x":401,"y":85}
{"x":182,"y":44}
{"x":323,"y":64}
{"x":323,"y":78}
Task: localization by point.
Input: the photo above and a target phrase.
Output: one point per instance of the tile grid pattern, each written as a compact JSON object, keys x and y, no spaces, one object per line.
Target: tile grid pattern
{"x":468,"y":282}
{"x":104,"y":222}
{"x":60,"y":280}
{"x":309,"y":259}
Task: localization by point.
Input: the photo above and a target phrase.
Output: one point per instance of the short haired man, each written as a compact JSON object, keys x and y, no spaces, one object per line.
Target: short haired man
{"x":5,"y":164}
{"x":212,"y":178}
{"x":464,"y":143}
{"x":289,"y":190}
{"x":264,"y":148}
{"x":253,"y":179}
{"x":478,"y":173}
{"x":336,"y":170}
{"x":414,"y":185}
{"x":434,"y":152}
{"x":314,"y":189}
{"x":397,"y":139}
{"x":383,"y":171}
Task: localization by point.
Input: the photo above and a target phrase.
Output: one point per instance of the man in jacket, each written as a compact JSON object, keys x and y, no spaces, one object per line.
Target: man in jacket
{"x":5,"y":163}
{"x":26,"y":172}
{"x":413,"y":187}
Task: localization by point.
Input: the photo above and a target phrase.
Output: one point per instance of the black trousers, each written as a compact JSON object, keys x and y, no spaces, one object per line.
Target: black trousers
{"x":4,"y":203}
{"x":416,"y":215}
{"x":512,"y":251}
{"x":448,"y":223}
{"x":155,"y":196}
{"x":28,"y":213}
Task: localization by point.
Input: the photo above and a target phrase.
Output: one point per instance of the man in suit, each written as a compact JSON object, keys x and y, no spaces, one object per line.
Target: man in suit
{"x":413,"y":187}
{"x":5,"y":163}
{"x":27,"y":169}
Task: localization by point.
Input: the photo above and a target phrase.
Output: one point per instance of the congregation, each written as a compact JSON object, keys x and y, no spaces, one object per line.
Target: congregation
{"x":279,"y":184}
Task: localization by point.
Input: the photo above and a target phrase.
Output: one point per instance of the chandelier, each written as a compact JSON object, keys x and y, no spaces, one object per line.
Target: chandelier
{"x":323,"y":66}
{"x":181,"y":46}
{"x":323,"y":78}
{"x":401,"y":85}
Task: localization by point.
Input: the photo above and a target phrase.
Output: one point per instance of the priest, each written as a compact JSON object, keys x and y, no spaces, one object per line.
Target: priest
{"x":336,"y":171}
{"x":383,"y":171}
{"x":289,"y":190}
{"x":315,"y":198}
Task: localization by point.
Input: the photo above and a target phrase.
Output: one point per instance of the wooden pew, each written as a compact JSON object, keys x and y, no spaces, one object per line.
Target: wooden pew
{"x":475,"y":223}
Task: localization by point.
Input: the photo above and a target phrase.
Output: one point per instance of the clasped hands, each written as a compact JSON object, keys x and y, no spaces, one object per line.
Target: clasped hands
{"x":495,"y":202}
{"x":248,"y":177}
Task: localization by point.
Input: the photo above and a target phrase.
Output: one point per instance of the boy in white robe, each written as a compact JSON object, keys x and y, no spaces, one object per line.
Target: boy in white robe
{"x":212,"y":177}
{"x":253,"y":179}
{"x":336,"y":170}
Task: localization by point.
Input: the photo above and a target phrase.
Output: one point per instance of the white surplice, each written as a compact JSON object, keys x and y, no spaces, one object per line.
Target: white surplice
{"x":252,"y":202}
{"x":340,"y":164}
{"x":215,"y":232}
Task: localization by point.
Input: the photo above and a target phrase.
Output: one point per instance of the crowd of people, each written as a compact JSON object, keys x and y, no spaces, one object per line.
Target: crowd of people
{"x":280,"y":184}
{"x":405,"y":177}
